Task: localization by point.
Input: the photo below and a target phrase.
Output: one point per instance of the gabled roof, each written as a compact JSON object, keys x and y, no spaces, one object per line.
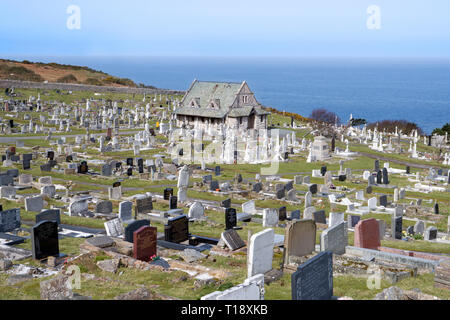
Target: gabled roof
{"x":207,"y":92}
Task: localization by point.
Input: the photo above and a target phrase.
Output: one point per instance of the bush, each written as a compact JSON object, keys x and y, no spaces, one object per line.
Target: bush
{"x":93,"y":82}
{"x":324,"y":116}
{"x":121,"y":81}
{"x":70,"y":78}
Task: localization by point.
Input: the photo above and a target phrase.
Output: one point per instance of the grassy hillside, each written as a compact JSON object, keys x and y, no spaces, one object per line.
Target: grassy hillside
{"x":54,"y":72}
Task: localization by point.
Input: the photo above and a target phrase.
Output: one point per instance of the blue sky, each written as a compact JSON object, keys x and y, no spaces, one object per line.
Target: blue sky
{"x":283,"y":28}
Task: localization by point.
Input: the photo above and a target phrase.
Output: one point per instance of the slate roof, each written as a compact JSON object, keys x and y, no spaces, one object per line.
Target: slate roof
{"x":202,"y":112}
{"x":209,"y":91}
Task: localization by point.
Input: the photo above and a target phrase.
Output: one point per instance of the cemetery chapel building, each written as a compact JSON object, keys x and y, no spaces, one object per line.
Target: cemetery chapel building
{"x":211,"y":104}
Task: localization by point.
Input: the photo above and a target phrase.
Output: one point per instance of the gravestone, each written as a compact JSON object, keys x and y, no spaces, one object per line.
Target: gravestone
{"x":270,"y":218}
{"x":114,"y":228}
{"x":106,"y":170}
{"x":383,"y":200}
{"x":352,"y":220}
{"x":173,"y":202}
{"x":419,"y":227}
{"x":177,"y":229}
{"x":367,"y":234}
{"x":300,"y":238}
{"x":232,"y":239}
{"x":376,"y":165}
{"x":257,"y":187}
{"x":320,"y":217}
{"x":260,"y":252}
{"x":130,"y":162}
{"x":44,"y":240}
{"x":26,"y":165}
{"x":430,"y":233}
{"x":436,"y":208}
{"x":313,"y":188}
{"x":144,"y":243}
{"x":372,"y":203}
{"x":126,"y":211}
{"x":196,"y":211}
{"x":385,"y":176}
{"x":313,"y":280}
{"x":335,"y":238}
{"x":379,"y":177}
{"x":295,"y":215}
{"x":396,"y":227}
{"x":168,"y":192}
{"x":49,"y":215}
{"x":335,"y":218}
{"x":7,"y":192}
{"x":34,"y":204}
{"x":132,"y":227}
{"x":282,"y":214}
{"x":280,"y":193}
{"x":83,"y":168}
{"x":9,"y":220}
{"x":230,"y":218}
{"x":225,"y":203}
{"x":144,"y":205}
{"x":104,"y":206}
{"x":214,"y":185}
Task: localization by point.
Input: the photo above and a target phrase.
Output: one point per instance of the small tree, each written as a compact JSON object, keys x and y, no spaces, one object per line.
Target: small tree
{"x":357,"y":122}
{"x":324,"y":116}
{"x":323,"y":121}
{"x":442,"y":131}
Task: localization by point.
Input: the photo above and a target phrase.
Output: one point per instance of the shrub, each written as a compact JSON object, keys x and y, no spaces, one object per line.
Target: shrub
{"x":324,"y":116}
{"x":70,"y":78}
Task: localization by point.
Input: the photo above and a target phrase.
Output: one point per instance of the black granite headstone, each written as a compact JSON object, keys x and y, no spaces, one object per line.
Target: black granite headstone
{"x":132,"y":227}
{"x":282,"y":214}
{"x":130,"y":162}
{"x":177,"y":229}
{"x":230,"y":218}
{"x":313,"y":188}
{"x":173,"y":200}
{"x":168,"y":192}
{"x":396,"y":227}
{"x":385,"y":176}
{"x":383,"y":200}
{"x":44,"y":240}
{"x":226,"y":203}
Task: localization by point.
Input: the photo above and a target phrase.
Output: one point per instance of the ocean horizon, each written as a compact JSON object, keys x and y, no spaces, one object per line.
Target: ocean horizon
{"x":412,"y":89}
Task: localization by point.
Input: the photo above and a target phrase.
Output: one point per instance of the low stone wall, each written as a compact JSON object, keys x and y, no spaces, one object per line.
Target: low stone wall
{"x":82,"y":87}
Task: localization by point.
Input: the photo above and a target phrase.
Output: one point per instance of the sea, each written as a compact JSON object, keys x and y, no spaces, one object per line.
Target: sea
{"x":416,"y":90}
